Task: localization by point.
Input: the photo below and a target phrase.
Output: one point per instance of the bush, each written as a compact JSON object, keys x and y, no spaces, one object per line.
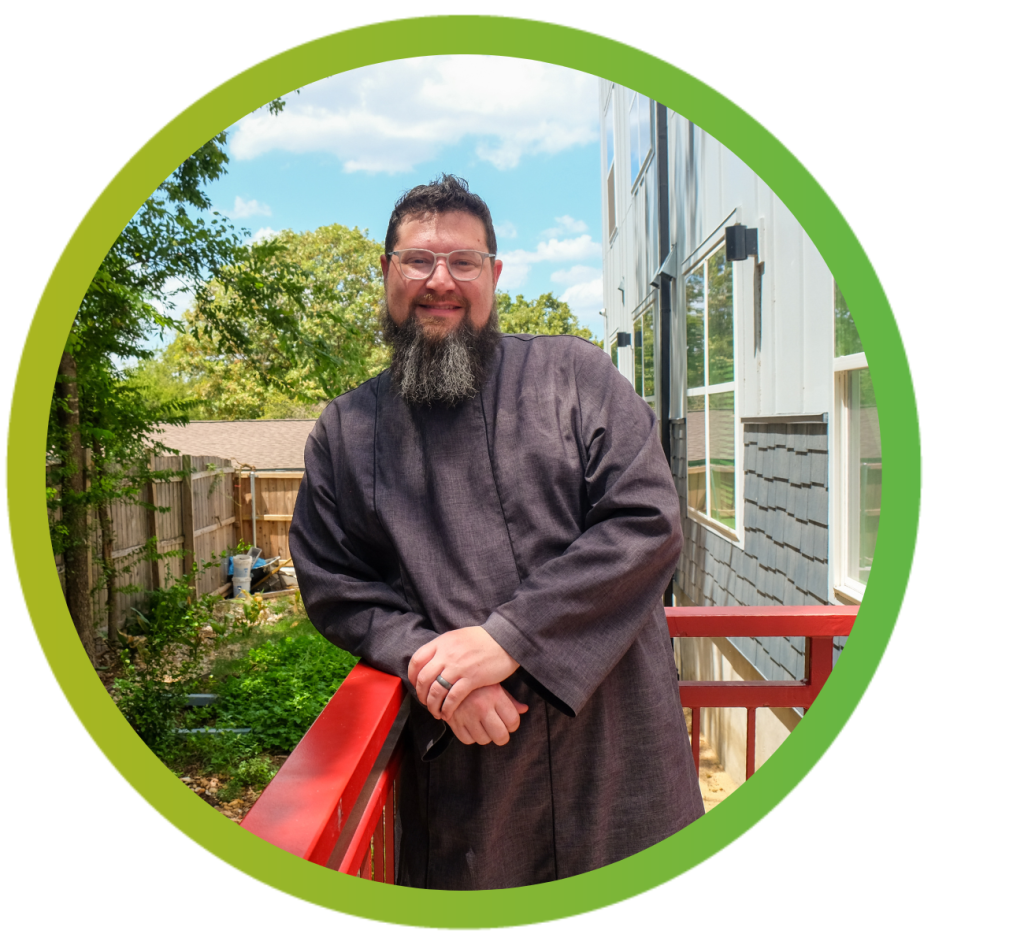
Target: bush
{"x":279,"y":687}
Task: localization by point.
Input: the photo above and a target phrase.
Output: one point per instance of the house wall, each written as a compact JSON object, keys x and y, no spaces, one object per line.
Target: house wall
{"x":779,"y":553}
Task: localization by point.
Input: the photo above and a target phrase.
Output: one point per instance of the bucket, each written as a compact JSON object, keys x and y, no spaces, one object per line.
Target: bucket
{"x":241,"y":578}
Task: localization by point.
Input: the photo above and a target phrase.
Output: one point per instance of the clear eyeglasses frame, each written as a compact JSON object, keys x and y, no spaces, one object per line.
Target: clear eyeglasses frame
{"x":464,"y":265}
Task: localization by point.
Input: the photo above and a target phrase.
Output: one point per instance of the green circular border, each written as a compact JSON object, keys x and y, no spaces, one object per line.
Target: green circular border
{"x":523,"y":39}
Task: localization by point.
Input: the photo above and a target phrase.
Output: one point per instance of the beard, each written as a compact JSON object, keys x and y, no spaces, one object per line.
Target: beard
{"x":442,"y":369}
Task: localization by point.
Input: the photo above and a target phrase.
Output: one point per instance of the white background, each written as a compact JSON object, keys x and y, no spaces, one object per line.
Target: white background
{"x":907,"y":114}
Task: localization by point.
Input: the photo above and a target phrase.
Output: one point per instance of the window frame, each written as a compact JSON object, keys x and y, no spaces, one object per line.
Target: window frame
{"x":609,"y":165}
{"x":843,"y":588}
{"x":645,"y":157}
{"x":734,"y":535}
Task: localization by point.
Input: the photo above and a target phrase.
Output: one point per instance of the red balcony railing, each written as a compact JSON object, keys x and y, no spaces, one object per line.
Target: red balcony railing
{"x":818,"y":624}
{"x":333,"y":800}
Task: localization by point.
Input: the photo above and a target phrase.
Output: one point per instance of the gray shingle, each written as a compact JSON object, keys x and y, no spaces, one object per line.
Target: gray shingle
{"x":798,"y":440}
{"x":749,"y":456}
{"x":819,"y":467}
{"x":801,"y":502}
{"x":805,"y":469}
{"x":817,"y":579}
{"x":817,"y":505}
{"x":799,"y":574}
{"x":792,"y":494}
{"x":792,"y":537}
{"x":780,"y":464}
{"x":789,"y":594}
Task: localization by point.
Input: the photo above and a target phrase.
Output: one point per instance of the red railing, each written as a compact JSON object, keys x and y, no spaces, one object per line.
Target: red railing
{"x":333,"y":800}
{"x":818,"y":624}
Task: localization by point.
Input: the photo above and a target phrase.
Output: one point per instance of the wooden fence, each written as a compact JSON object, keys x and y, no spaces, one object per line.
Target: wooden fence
{"x":198,"y":520}
{"x":275,"y":500}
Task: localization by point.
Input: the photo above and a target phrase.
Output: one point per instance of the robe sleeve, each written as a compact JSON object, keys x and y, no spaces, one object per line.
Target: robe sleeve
{"x":345,"y":596}
{"x":573,"y":618}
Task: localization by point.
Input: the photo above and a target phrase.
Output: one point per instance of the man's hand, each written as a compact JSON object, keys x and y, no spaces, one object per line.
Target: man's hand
{"x":468,"y":658}
{"x":487,"y":715}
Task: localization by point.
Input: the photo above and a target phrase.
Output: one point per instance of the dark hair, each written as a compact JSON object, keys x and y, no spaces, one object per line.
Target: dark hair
{"x":446,"y":194}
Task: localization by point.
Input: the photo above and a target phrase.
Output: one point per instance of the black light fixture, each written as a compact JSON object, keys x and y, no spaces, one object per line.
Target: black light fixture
{"x":740,"y":242}
{"x":624,"y":339}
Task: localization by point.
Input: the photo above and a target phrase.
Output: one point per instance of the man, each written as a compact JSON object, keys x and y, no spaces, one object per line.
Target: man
{"x":493,"y":520}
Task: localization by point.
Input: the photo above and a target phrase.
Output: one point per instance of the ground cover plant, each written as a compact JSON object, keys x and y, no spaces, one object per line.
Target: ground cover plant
{"x":270,"y":671}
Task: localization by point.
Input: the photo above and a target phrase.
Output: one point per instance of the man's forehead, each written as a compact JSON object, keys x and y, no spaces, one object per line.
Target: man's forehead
{"x":457,"y":224}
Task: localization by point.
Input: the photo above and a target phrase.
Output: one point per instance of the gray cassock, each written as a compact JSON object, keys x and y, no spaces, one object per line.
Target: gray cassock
{"x":544,"y":510}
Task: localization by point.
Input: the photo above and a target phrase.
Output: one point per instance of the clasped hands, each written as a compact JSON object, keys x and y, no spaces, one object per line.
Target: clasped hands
{"x":478,"y":709}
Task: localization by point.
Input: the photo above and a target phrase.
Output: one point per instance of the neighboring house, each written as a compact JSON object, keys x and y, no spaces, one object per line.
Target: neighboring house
{"x":268,"y":459}
{"x":726,"y":319}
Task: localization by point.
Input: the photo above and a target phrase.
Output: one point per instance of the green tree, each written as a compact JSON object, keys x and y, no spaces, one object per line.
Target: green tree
{"x":544,"y":315}
{"x":258,"y":370}
{"x":173,"y":244}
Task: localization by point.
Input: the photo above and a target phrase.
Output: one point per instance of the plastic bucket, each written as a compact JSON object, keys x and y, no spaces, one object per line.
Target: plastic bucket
{"x":241,"y":579}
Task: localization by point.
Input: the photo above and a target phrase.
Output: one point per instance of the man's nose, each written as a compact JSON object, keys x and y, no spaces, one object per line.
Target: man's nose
{"x":441,"y":278}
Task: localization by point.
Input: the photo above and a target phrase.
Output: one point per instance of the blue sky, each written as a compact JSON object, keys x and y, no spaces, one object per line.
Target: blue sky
{"x":524,"y":134}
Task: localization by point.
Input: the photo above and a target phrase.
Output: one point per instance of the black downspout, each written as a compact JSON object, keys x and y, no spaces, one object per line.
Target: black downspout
{"x":664,"y":298}
{"x":665,"y":286}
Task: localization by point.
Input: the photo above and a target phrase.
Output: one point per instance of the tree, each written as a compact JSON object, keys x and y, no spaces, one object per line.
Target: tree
{"x":174,"y":243}
{"x":285,"y":367}
{"x":545,"y":315}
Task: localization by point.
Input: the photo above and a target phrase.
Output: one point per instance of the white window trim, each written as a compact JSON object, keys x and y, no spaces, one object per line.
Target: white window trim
{"x":702,"y":518}
{"x":844,"y":589}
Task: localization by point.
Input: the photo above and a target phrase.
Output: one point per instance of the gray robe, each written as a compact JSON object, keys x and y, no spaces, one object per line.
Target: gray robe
{"x":544,"y":510}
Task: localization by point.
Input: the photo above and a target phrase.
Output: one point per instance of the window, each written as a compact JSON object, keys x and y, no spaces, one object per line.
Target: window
{"x":858,"y":459}
{"x":711,"y":390}
{"x":643,"y":351}
{"x":640,"y":143}
{"x":609,"y":164}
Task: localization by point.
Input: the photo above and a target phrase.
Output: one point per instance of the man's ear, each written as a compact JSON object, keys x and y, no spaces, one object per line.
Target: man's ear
{"x":384,"y":267}
{"x":497,"y":270}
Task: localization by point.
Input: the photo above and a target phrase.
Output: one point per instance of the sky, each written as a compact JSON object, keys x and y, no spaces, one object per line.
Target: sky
{"x":524,"y":135}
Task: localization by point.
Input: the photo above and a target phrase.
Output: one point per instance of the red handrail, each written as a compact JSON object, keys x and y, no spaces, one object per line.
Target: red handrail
{"x":309,"y":808}
{"x":818,"y":624}
{"x":307,"y":805}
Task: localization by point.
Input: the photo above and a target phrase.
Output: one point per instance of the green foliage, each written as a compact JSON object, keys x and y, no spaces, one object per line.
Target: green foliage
{"x":847,"y":337}
{"x":313,"y":335}
{"x":545,"y":315}
{"x":279,"y":687}
{"x":161,"y":653}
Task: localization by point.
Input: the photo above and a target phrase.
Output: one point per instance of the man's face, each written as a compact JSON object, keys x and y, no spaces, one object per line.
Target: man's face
{"x":440,"y":303}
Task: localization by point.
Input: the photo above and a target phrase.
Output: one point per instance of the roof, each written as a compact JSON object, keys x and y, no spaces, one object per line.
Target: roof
{"x":265,"y":444}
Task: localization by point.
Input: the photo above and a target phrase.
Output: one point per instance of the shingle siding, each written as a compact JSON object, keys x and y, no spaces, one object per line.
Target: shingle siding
{"x":785,"y":522}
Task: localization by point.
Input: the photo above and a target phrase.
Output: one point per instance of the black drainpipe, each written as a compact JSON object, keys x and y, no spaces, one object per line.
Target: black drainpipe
{"x":665,"y":286}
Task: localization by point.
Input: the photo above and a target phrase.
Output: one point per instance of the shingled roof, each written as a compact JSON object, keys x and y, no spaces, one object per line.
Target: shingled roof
{"x":265,"y":444}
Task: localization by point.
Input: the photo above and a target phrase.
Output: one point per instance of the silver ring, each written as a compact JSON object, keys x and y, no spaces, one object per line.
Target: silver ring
{"x":443,"y":682}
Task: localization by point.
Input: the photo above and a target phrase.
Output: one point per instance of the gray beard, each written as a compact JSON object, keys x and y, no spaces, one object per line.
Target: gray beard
{"x":445,"y":370}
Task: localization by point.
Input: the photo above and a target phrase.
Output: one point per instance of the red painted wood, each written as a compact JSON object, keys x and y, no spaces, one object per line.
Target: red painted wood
{"x":304,"y":808}
{"x":825,"y":621}
{"x":751,"y":740}
{"x":389,"y":837}
{"x":695,"y":736}
{"x":371,"y":816}
{"x":716,"y":694}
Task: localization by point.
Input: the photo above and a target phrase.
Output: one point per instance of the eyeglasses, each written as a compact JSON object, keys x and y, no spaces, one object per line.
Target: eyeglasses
{"x":464,"y":265}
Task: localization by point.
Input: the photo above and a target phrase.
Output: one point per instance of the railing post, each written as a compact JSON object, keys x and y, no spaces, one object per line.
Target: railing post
{"x":820,"y":663}
{"x":695,"y":736}
{"x":751,"y":739}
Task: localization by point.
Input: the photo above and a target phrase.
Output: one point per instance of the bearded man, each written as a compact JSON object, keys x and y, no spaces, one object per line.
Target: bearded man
{"x":493,"y":520}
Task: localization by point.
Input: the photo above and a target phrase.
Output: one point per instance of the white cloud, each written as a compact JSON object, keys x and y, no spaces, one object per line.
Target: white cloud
{"x":263,"y":233}
{"x":566,"y":224}
{"x":505,"y":231}
{"x":517,"y":262}
{"x":392,"y":116}
{"x":584,"y":299}
{"x":248,"y":208}
{"x":575,"y":275}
